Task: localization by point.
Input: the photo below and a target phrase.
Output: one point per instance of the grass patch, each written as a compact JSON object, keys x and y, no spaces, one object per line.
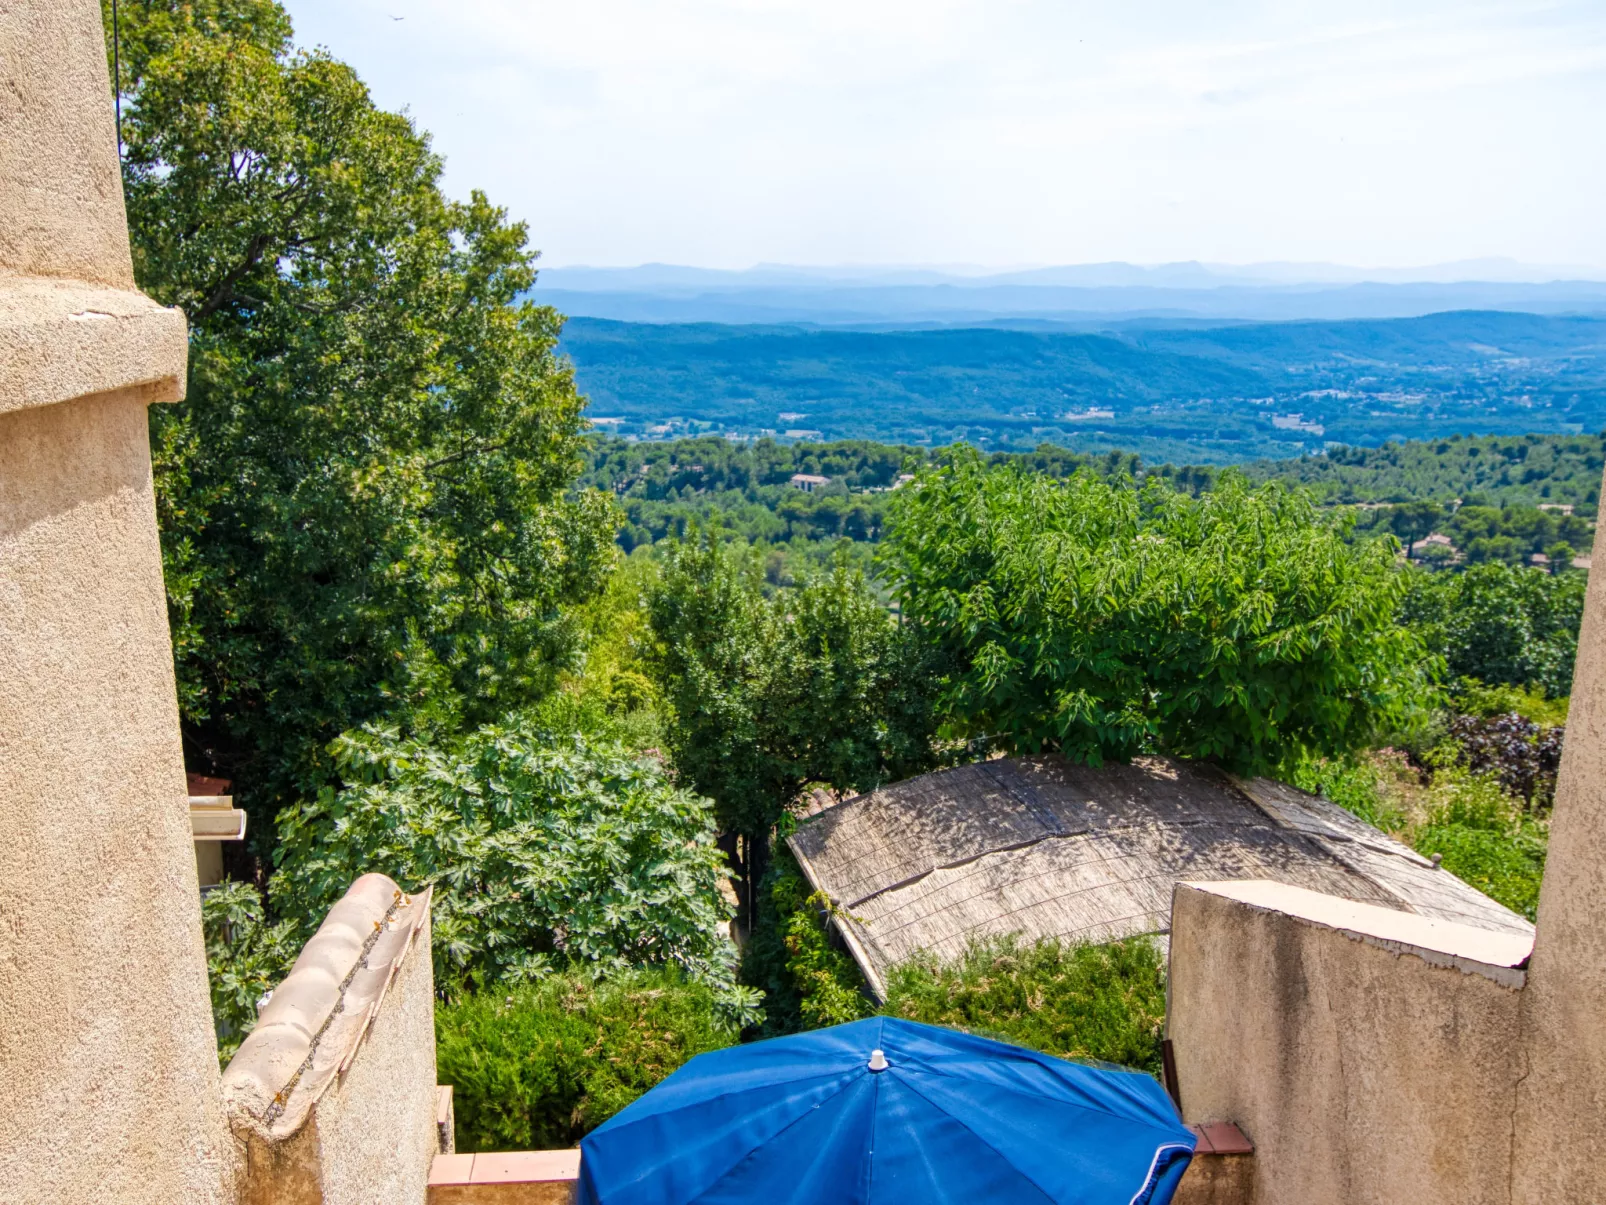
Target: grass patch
{"x":1484,"y":834}
{"x":1101,"y":1002}
{"x":1485,"y":837}
{"x":538,"y":1066}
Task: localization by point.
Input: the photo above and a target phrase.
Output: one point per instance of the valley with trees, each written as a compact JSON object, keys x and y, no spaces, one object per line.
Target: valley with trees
{"x":429,"y":620}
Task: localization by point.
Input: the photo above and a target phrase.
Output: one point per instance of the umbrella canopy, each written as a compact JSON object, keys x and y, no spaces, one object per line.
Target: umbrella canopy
{"x":884,"y":1112}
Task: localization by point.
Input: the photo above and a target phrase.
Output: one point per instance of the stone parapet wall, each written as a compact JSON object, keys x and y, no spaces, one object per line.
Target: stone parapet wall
{"x":1371,"y":1056}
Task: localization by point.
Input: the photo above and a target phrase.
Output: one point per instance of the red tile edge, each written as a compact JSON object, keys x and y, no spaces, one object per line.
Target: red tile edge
{"x":525,"y":1167}
{"x":1221,"y":1138}
{"x":451,"y":1169}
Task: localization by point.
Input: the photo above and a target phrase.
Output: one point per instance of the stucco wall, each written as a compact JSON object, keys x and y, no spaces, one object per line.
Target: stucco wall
{"x":61,"y":196}
{"x":1561,"y":1113}
{"x":107,"y":1056}
{"x":1364,"y":1076}
{"x":371,"y":1138}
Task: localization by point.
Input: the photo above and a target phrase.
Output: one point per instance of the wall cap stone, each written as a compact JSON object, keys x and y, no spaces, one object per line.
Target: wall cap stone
{"x":64,"y":339}
{"x":1494,"y":955}
{"x":311,"y":1028}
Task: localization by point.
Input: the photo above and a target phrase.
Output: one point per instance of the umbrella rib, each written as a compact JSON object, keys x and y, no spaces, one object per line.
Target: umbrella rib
{"x":798,"y":1120}
{"x":959,"y":1121}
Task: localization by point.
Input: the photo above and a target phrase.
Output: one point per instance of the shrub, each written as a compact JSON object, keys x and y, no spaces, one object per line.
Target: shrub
{"x":541,"y":856}
{"x":246,"y":957}
{"x":1107,"y":620}
{"x":1500,"y":624}
{"x":808,"y":982}
{"x":1522,"y":756}
{"x":539,"y":1065}
{"x":1484,"y":834}
{"x":1484,"y":838}
{"x":1471,"y":697}
{"x":1104,"y":1002}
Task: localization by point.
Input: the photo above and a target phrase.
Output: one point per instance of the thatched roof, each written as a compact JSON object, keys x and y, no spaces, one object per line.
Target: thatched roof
{"x":1044,"y":848}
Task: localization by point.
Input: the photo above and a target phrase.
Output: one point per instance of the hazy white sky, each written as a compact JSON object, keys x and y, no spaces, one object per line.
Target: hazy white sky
{"x":1007,"y":132}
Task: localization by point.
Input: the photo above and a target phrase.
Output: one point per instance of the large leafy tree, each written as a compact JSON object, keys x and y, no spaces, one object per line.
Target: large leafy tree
{"x":1107,"y":620}
{"x":365,"y":499}
{"x":770,"y":692}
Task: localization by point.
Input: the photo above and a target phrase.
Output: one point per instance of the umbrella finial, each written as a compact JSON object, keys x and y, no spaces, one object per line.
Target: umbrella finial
{"x":878,"y":1060}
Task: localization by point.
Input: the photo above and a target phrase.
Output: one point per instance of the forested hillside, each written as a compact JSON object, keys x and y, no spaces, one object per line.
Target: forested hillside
{"x":1500,"y":484}
{"x":1179,"y":392}
{"x":1503,"y":470}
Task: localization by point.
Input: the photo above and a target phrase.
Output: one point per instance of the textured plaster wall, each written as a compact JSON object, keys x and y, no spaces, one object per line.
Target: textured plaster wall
{"x":1362,"y":1076}
{"x":107,"y":1058}
{"x":61,"y":198}
{"x":1561,"y":1118}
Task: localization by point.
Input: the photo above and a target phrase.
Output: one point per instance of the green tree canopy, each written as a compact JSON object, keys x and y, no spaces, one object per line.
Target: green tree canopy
{"x":1106,"y":620}
{"x":365,"y":499}
{"x":1502,"y":624}
{"x":767,"y":693}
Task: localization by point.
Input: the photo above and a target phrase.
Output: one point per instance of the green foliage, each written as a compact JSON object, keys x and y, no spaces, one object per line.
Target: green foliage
{"x":814,"y":684}
{"x":829,"y":986}
{"x":1485,"y":837}
{"x":1492,"y":469}
{"x":1484,"y":834}
{"x":1107,"y":620}
{"x":539,"y":1065}
{"x":1472,"y":697}
{"x":1104,"y":1002}
{"x":1350,"y":782}
{"x":246,"y":957}
{"x":609,"y":695}
{"x":1512,"y":534}
{"x":364,"y":500}
{"x":807,"y":981}
{"x":1500,"y":624}
{"x":540,"y":855}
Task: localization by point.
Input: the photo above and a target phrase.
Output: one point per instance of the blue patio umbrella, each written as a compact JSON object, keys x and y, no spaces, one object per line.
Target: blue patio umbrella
{"x":883,"y":1111}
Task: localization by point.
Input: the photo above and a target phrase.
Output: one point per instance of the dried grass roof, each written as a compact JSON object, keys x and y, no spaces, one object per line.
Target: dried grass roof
{"x":1045,"y":848}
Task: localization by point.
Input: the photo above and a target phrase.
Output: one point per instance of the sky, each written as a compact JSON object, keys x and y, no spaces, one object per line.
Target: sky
{"x":1006,"y":133}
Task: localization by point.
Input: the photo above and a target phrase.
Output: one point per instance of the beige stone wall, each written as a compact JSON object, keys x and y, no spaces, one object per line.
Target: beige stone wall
{"x":61,"y":193}
{"x":1561,"y":1115}
{"x":107,"y":1056}
{"x":376,"y":1125}
{"x":108,"y":1066}
{"x":371,"y":1138}
{"x":1363,"y":1075}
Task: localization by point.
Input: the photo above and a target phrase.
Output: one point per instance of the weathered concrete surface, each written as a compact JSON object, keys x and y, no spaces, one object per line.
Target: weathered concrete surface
{"x":1363,"y":1072}
{"x":1217,"y":1180}
{"x":333,"y":1097}
{"x":1560,"y":1134}
{"x":106,"y":1046}
{"x":61,"y":192}
{"x":107,"y":1057}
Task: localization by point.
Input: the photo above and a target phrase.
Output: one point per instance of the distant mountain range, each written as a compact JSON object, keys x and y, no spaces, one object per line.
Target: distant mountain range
{"x":1072,"y":296}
